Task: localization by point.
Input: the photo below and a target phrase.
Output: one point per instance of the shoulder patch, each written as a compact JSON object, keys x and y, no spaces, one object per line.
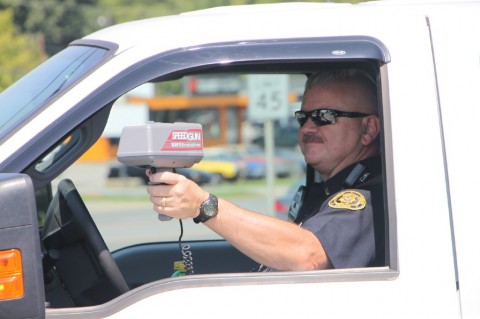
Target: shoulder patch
{"x":349,"y":199}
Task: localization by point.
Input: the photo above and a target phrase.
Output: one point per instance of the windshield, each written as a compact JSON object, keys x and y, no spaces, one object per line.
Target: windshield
{"x":30,"y":94}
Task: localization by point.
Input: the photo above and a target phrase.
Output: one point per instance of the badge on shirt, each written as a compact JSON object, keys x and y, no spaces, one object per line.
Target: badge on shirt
{"x":350,"y":200}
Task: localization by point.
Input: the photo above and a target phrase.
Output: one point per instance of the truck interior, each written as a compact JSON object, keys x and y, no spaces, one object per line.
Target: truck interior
{"x":79,"y":268}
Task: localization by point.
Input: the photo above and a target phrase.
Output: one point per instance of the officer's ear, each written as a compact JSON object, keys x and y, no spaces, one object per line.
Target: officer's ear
{"x":371,"y":129}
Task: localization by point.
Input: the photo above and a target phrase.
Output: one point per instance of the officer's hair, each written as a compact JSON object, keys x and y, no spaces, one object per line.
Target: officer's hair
{"x":335,"y":76}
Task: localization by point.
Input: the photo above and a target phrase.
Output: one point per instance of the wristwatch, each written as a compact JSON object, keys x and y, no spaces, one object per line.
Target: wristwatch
{"x":208,"y":209}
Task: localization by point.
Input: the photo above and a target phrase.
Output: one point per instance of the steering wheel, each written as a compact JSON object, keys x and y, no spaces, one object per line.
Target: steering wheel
{"x":84,"y":265}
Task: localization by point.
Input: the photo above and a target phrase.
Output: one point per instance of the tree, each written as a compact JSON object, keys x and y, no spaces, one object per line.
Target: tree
{"x":18,"y":53}
{"x":57,"y":22}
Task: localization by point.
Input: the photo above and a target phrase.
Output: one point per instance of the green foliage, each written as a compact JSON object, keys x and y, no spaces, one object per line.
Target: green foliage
{"x":128,"y":10}
{"x":57,"y":21}
{"x":119,"y":11}
{"x":18,"y":53}
{"x":169,"y":88}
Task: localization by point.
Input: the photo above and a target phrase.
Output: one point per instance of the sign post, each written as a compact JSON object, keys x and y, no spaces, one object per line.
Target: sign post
{"x":267,"y":102}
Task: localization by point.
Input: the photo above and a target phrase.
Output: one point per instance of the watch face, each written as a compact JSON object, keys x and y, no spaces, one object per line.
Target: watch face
{"x":209,"y":209}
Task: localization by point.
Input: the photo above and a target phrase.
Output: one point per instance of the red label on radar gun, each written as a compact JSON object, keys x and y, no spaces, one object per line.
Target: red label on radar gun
{"x":184,"y":140}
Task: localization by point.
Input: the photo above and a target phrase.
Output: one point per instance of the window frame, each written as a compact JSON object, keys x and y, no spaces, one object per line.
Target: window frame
{"x":277,"y":56}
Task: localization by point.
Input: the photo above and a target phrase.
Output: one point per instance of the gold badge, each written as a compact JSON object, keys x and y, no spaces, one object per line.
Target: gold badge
{"x":351,"y":200}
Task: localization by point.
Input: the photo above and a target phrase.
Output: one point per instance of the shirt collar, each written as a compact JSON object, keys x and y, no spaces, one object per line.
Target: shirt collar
{"x":335,"y":184}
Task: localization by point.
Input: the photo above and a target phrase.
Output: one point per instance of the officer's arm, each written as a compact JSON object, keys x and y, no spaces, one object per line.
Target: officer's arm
{"x":275,"y":243}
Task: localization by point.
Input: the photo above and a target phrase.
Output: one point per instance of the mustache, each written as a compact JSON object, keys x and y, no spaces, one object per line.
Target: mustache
{"x":307,"y":138}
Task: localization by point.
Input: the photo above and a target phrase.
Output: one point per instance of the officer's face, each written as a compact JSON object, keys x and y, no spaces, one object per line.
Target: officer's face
{"x":331,"y":148}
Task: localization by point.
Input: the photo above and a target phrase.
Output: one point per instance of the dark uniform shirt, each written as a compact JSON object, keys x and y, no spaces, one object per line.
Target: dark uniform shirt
{"x":346,"y":214}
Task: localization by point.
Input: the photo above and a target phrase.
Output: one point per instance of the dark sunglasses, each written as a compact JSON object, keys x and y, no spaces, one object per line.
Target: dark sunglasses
{"x":324,"y":116}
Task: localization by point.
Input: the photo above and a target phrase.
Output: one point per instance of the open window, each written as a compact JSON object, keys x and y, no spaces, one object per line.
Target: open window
{"x":250,"y":159}
{"x":235,"y":165}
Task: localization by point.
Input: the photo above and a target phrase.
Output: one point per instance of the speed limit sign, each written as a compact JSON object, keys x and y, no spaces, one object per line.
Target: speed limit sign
{"x":268,"y":96}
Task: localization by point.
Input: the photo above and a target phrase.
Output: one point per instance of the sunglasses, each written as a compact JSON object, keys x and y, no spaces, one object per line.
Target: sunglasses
{"x":324,"y":116}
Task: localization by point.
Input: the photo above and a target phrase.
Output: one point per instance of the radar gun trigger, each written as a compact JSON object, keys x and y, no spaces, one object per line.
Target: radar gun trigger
{"x":161,"y":146}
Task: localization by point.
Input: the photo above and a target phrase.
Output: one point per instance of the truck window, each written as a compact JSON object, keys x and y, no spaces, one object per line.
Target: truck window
{"x":235,"y":164}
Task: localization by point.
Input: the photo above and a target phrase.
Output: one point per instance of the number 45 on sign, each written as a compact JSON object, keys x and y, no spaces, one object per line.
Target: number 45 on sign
{"x":268,"y":97}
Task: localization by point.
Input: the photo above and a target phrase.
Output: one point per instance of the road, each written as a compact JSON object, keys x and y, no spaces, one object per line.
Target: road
{"x":126,"y":223}
{"x":124,"y":215}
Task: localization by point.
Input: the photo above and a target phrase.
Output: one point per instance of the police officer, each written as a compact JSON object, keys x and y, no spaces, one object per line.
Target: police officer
{"x":338,"y":136}
{"x":339,"y":130}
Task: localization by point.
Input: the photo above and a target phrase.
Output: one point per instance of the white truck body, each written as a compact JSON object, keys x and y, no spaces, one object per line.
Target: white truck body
{"x":431,"y":108}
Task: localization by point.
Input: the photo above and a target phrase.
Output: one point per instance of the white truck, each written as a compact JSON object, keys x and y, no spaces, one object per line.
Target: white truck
{"x":57,"y":262}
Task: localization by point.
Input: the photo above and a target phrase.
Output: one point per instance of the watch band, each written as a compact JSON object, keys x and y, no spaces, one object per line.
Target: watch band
{"x":208,"y":209}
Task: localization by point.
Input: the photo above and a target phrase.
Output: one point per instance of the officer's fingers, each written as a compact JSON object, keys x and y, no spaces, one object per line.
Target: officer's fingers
{"x":158,"y":201}
{"x":161,"y":178}
{"x":173,"y":178}
{"x":167,"y":184}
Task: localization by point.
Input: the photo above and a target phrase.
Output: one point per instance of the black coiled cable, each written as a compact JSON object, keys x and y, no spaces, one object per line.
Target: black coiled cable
{"x":186,"y":253}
